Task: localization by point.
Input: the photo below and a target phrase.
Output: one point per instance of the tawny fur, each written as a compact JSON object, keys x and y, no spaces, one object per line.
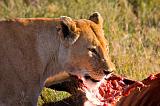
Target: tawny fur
{"x":32,"y":50}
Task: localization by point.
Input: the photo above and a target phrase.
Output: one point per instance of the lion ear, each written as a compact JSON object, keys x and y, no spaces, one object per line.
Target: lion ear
{"x":97,"y":18}
{"x":69,"y":30}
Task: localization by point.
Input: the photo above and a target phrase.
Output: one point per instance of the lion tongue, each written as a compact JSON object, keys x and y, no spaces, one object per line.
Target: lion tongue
{"x":109,"y":90}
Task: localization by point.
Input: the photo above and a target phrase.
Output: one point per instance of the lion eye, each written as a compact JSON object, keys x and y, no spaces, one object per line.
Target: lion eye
{"x":94,"y":51}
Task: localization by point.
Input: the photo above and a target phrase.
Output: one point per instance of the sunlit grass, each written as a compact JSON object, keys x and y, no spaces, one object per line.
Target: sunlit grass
{"x":132,"y":28}
{"x":49,"y":95}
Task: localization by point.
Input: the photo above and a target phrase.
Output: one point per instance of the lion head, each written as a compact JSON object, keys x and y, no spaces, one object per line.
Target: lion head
{"x":83,"y":50}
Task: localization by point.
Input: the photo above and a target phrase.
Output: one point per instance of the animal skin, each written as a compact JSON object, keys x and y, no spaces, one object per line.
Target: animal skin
{"x":146,"y":96}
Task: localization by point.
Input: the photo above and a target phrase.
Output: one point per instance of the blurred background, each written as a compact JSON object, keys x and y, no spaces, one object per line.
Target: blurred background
{"x":132,"y":28}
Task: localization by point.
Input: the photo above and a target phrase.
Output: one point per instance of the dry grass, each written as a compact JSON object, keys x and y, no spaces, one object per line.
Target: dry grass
{"x":131,"y":26}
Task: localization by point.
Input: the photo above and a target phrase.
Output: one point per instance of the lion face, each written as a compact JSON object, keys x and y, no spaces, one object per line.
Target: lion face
{"x":84,"y":49}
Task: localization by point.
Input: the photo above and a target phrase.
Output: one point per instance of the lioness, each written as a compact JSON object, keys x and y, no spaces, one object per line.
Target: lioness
{"x":31,"y":50}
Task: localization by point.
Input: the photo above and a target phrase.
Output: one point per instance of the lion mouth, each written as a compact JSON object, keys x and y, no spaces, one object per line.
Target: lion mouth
{"x":88,"y":77}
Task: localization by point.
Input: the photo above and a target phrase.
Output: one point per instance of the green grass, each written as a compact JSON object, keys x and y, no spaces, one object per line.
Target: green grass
{"x":132,"y":28}
{"x":49,"y":95}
